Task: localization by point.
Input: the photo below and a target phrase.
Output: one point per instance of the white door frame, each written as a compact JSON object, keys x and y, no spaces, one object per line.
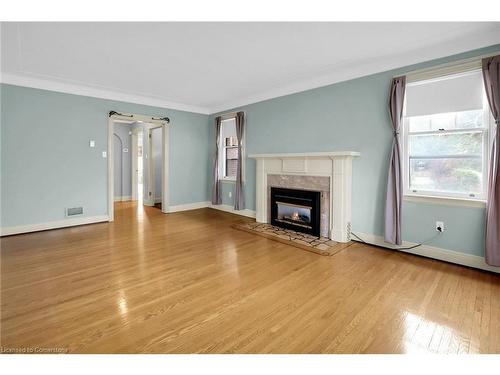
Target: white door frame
{"x":135,"y":165}
{"x":165,"y":152}
{"x":151,"y":199}
{"x":133,"y":151}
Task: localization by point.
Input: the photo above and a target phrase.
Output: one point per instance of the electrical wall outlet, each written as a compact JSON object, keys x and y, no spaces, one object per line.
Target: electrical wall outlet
{"x":440,"y":225}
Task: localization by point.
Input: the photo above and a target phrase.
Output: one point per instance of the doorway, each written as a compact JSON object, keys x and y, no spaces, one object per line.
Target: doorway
{"x":155,"y":166}
{"x":122,"y":161}
{"x":138,"y":166}
{"x":137,"y":161}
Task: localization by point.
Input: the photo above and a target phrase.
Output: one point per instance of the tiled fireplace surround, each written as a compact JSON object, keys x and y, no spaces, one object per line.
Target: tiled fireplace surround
{"x":327,"y":172}
{"x":300,"y":182}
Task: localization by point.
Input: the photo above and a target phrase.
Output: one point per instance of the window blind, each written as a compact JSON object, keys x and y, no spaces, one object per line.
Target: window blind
{"x":456,"y":93}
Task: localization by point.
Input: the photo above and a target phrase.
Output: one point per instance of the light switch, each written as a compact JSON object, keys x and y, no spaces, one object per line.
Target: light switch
{"x":104,"y":154}
{"x":92,"y":143}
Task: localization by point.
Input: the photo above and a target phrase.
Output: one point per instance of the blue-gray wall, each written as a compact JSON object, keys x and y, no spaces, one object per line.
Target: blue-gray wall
{"x":353,"y":116}
{"x":122,"y":160}
{"x":47,"y":164}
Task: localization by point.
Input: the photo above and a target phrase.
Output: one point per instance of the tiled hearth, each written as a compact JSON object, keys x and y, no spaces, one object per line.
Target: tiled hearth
{"x":318,"y":245}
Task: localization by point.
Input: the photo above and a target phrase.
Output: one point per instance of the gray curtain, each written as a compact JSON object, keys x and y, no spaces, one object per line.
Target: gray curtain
{"x":491,"y":76}
{"x":239,"y":196}
{"x":395,"y":177}
{"x":216,"y":186}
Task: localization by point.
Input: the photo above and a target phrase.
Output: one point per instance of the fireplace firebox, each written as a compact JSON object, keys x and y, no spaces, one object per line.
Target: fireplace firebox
{"x":298,"y":210}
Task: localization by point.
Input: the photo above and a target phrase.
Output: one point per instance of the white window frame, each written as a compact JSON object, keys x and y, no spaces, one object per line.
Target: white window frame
{"x":222,"y":153}
{"x":432,"y":196}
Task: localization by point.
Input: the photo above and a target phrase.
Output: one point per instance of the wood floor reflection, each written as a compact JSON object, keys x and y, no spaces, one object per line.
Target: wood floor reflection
{"x":189,"y":283}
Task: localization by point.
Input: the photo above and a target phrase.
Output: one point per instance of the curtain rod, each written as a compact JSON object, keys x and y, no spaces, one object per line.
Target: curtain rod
{"x":113,"y":113}
{"x":228,"y":115}
{"x":448,"y":64}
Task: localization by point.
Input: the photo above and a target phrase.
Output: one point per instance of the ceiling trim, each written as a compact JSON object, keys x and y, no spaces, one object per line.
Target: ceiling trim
{"x":329,"y":76}
{"x":342,"y":74}
{"x":78,"y":89}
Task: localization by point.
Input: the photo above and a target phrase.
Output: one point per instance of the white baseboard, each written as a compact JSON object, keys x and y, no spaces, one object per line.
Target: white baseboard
{"x":123,"y":198}
{"x":188,"y":206}
{"x":7,"y":231}
{"x":221,"y":207}
{"x":227,"y":208}
{"x":438,"y":253}
{"x":157,"y":200}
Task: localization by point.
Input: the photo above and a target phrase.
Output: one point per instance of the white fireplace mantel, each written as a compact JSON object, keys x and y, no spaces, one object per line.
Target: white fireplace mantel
{"x":306,"y":155}
{"x":337,"y":165}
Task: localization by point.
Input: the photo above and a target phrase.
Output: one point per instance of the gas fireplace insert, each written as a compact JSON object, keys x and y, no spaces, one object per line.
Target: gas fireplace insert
{"x":296,"y":209}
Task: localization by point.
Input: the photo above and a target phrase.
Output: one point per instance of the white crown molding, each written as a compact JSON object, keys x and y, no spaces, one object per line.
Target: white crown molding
{"x":336,"y":74}
{"x":78,"y":89}
{"x":294,"y":84}
{"x":446,"y":255}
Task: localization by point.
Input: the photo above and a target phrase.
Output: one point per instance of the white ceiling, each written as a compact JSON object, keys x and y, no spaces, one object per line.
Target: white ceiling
{"x":208,"y":67}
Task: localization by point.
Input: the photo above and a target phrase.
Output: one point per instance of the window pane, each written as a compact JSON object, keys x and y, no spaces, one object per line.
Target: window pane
{"x":231,"y":161}
{"x":469,"y":120}
{"x":446,"y":144}
{"x":447,"y":121}
{"x":231,"y":141}
{"x":462,"y":175}
{"x":231,"y":165}
{"x":232,"y":153}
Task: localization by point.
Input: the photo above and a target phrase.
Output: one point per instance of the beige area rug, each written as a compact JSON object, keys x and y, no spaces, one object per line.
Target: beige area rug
{"x":318,"y":245}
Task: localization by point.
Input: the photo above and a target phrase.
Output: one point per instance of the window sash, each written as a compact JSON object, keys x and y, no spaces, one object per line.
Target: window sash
{"x":225,"y":176}
{"x":450,"y":131}
{"x":437,"y":73}
{"x":445,"y":156}
{"x":222,"y":161}
{"x":404,"y":142}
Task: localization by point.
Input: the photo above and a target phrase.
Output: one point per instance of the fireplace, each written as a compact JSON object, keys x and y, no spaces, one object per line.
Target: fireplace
{"x":298,"y":210}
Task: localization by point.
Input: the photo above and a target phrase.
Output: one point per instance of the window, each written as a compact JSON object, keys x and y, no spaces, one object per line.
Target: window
{"x":228,"y":157}
{"x":446,"y":137}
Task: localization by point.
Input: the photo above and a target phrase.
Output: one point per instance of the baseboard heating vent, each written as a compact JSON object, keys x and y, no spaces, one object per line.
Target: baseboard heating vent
{"x":74,"y":211}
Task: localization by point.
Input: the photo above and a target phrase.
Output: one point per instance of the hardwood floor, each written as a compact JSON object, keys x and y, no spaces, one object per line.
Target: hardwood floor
{"x":187,"y":282}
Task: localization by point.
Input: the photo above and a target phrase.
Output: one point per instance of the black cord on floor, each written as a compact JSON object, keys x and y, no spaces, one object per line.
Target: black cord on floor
{"x":396,"y":248}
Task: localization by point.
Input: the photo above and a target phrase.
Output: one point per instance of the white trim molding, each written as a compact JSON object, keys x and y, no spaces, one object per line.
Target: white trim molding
{"x":8,"y":231}
{"x":208,"y":204}
{"x":446,"y":255}
{"x":51,"y":84}
{"x":188,"y":206}
{"x":337,"y":165}
{"x":123,"y":198}
{"x":165,"y":195}
{"x":230,"y":209}
{"x":444,"y":201}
